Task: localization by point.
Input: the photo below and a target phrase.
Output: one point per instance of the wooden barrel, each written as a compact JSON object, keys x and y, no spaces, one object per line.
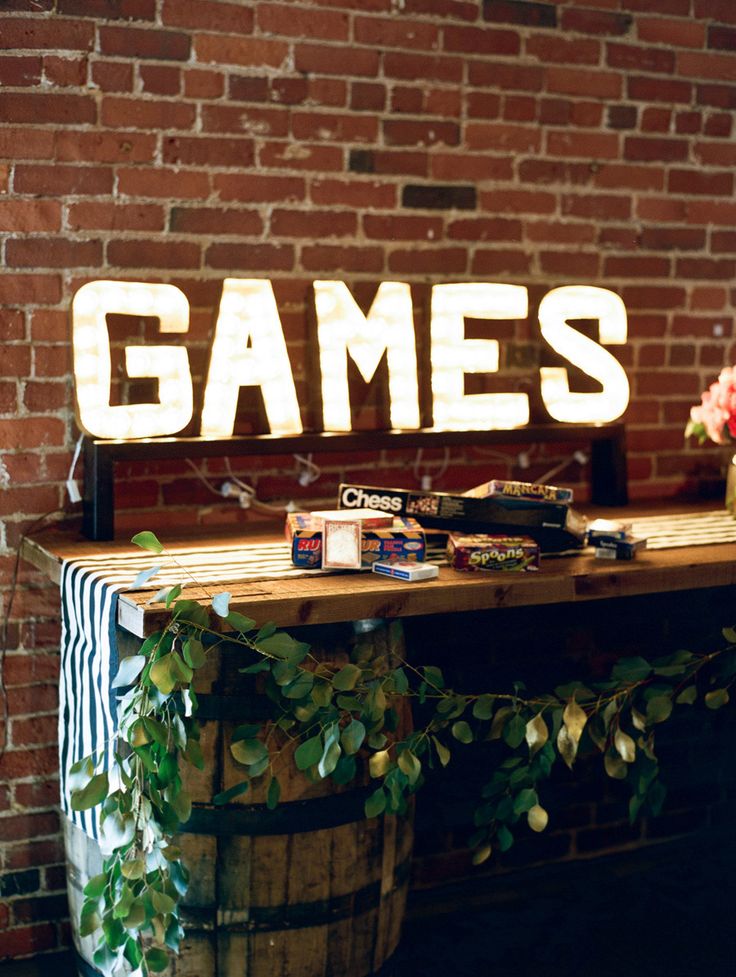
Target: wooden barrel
{"x":310,"y":889}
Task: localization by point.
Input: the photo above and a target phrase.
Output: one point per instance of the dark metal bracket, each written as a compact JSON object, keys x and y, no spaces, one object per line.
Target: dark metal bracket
{"x":608,"y":456}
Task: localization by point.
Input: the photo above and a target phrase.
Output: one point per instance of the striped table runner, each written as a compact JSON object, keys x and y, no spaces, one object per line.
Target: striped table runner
{"x":89,"y":596}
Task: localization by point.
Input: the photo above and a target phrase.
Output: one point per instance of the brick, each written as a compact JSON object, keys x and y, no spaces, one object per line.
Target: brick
{"x":326,"y":258}
{"x":162,"y":182}
{"x":39,"y":909}
{"x":333,"y":128}
{"x":30,"y":215}
{"x":311,"y":223}
{"x":59,"y":180}
{"x":653,"y":297}
{"x":680,"y":354}
{"x":719,"y":96}
{"x":722,"y":38}
{"x":112,"y":76}
{"x":17,"y":72}
{"x":718,"y":124}
{"x":46,"y":34}
{"x":16,"y":361}
{"x":688,"y":122}
{"x":8,"y":398}
{"x":144,"y":253}
{"x":37,"y":731}
{"x":214,"y":221}
{"x":134,"y":42}
{"x":563,"y":50}
{"x":31,"y":854}
{"x":139,"y":113}
{"x":456,"y":9}
{"x":666,"y":30}
{"x":710,"y":65}
{"x":401,"y":228}
{"x":468,"y":166}
{"x":207,"y":151}
{"x":412,"y":66}
{"x":367,"y":96}
{"x":521,"y":12}
{"x":158,"y":79}
{"x":439,"y":197}
{"x":414,"y":132}
{"x":596,"y":22}
{"x":30,"y":289}
{"x":659,"y":90}
{"x":255,"y":188}
{"x":346,"y":61}
{"x":256,"y":121}
{"x":601,"y":206}
{"x":287,"y":20}
{"x":708,"y":297}
{"x":672,"y":238}
{"x":12,"y":323}
{"x":699,"y":326}
{"x":493,"y":262}
{"x":653,"y":150}
{"x":26,"y":143}
{"x":65,"y":72}
{"x":711,"y":212}
{"x":590,"y":145}
{"x":245,"y":88}
{"x":26,"y":940}
{"x":47,"y":108}
{"x":585,"y":264}
{"x":519,"y":108}
{"x":622,"y":116}
{"x":636,"y":266}
{"x":508,"y":77}
{"x":353,"y":193}
{"x":662,"y":209}
{"x":618,"y":238}
{"x":723,"y":241}
{"x":558,"y":232}
{"x":15,"y":764}
{"x":715,"y":154}
{"x":52,"y":253}
{"x":705,"y":268}
{"x":289,"y":155}
{"x":272,"y":257}
{"x":475,"y":40}
{"x":714,"y":184}
{"x":629,"y":56}
{"x":656,"y":119}
{"x":442,"y":261}
{"x":521,"y":201}
{"x":596,"y":84}
{"x":93,"y":215}
{"x":208,"y":15}
{"x":109,"y":9}
{"x":203,"y":84}
{"x":718,"y":10}
{"x":50,"y":326}
{"x":50,"y":361}
{"x":502,"y":137}
{"x":44,"y":396}
{"x":666,"y":382}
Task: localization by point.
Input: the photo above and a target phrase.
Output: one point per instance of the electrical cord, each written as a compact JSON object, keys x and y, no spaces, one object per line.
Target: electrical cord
{"x":4,"y":712}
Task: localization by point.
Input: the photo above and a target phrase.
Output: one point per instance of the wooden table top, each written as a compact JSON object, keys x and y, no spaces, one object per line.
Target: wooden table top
{"x":320,"y":598}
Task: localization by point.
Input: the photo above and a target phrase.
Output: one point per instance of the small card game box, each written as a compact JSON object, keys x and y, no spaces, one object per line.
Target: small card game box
{"x":533,"y":491}
{"x":409,"y":572}
{"x":402,"y":539}
{"x":479,"y":551}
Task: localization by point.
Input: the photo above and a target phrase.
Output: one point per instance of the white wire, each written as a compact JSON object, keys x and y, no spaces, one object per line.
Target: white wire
{"x":75,"y":459}
{"x":201,"y":477}
{"x":310,"y":470}
{"x":558,"y":468}
{"x":444,"y":465}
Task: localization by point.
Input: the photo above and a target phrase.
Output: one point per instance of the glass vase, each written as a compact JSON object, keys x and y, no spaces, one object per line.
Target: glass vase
{"x":731,"y":487}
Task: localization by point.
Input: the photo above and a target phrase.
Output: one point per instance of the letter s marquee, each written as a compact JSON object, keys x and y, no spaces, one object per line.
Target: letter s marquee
{"x":249,"y":349}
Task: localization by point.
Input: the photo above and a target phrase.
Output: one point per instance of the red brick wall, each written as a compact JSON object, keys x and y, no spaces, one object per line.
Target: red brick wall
{"x":428,"y":140}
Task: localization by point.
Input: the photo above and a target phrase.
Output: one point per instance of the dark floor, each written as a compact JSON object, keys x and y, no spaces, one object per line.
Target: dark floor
{"x":665,"y":912}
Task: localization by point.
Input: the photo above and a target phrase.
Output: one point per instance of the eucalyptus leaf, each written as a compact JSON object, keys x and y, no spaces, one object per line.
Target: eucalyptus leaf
{"x":537,"y":818}
{"x":273,"y":794}
{"x":308,"y":753}
{"x":716,"y":698}
{"x":625,"y":746}
{"x":147,"y":541}
{"x":659,"y":709}
{"x":462,"y":732}
{"x":248,"y":751}
{"x":443,"y":753}
{"x":379,"y":764}
{"x":482,"y":854}
{"x":347,"y":678}
{"x":92,"y":794}
{"x":410,"y":765}
{"x":376,"y":803}
{"x":227,"y":795}
{"x":483,"y":707}
{"x":143,"y":577}
{"x":352,"y":736}
{"x":221,"y":604}
{"x":240,"y":622}
{"x":688,"y":696}
{"x":128,"y":671}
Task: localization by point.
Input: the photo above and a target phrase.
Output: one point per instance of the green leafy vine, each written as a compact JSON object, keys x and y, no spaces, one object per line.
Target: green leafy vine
{"x":327,"y":719}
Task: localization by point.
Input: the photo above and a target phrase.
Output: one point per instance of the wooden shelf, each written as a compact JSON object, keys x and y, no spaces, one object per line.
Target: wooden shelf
{"x":321,"y":599}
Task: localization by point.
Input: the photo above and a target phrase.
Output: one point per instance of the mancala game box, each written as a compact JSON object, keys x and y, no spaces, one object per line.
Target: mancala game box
{"x":553,"y":525}
{"x":403,"y":540}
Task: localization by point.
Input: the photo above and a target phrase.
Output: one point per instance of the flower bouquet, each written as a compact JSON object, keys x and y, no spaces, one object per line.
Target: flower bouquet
{"x":715,"y":418}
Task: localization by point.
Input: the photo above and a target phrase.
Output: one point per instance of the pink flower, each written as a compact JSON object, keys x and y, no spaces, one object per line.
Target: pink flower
{"x":716,"y":414}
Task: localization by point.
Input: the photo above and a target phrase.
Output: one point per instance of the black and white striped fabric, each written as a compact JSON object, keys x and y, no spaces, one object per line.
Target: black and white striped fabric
{"x":89,"y":596}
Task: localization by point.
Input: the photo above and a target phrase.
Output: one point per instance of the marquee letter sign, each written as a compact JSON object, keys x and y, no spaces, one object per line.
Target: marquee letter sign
{"x":249,"y":350}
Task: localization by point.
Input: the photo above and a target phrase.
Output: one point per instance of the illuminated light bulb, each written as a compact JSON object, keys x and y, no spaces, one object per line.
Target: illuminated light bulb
{"x":452,"y":356}
{"x":234,"y":363}
{"x":92,"y":366}
{"x":343,"y":330}
{"x":584,"y":302}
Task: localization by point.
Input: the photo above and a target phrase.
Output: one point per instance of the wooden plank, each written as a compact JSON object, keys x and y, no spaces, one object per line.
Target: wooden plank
{"x":321,"y":599}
